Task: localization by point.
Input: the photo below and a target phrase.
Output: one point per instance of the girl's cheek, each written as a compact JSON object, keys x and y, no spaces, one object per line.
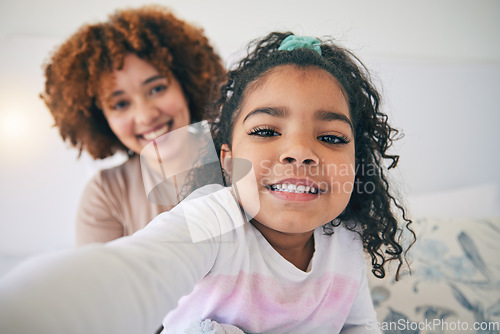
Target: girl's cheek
{"x":341,"y":177}
{"x":245,"y":182}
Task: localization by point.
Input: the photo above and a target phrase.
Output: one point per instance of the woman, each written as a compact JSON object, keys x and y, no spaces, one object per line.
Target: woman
{"x":122,"y":85}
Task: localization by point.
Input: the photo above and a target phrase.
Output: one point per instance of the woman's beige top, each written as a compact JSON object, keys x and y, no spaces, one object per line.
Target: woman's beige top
{"x":114,"y":204}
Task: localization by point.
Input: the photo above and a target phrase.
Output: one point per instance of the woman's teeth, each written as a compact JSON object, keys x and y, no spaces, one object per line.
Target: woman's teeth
{"x":292,"y":188}
{"x":157,"y":133}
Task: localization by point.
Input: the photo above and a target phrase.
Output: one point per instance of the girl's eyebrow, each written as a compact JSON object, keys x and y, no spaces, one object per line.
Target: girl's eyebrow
{"x":325,"y":115}
{"x":275,"y":112}
{"x":322,"y":115}
{"x":145,"y":82}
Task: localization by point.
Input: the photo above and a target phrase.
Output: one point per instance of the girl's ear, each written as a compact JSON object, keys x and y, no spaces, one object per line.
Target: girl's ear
{"x":226,"y":157}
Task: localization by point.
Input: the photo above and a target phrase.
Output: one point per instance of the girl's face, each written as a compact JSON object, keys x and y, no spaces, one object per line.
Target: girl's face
{"x":141,"y":105}
{"x":294,"y":127}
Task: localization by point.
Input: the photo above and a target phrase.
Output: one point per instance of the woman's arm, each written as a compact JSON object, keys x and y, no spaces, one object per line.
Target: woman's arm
{"x":97,"y":218}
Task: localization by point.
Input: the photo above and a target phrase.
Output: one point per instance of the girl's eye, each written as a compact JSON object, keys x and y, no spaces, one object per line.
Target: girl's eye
{"x":157,"y":89}
{"x":263,"y":132}
{"x":335,"y":140}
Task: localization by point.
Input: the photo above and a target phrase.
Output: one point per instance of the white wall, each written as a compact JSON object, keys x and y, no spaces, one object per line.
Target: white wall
{"x":437,"y":63}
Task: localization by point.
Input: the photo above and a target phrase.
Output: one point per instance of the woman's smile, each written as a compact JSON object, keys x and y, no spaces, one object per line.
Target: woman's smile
{"x":158,"y":131}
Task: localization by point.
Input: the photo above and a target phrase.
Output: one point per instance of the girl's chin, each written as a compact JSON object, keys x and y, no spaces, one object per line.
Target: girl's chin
{"x":287,"y":226}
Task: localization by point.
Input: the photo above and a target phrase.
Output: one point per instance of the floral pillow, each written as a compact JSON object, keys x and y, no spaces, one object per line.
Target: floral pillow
{"x":454,"y":286}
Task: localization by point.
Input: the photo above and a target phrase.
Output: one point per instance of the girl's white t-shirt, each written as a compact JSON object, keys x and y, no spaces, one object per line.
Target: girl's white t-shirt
{"x":202,"y":260}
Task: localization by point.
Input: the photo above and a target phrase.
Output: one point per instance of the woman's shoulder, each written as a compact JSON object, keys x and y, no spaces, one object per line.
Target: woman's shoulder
{"x":129,"y":166}
{"x":123,"y":170}
{"x":118,"y":177}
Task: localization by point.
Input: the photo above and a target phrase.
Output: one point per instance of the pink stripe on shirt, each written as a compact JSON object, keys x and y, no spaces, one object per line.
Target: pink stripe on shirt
{"x":258,"y":303}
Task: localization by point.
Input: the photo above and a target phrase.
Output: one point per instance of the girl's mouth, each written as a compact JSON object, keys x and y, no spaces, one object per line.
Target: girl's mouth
{"x":152,"y":135}
{"x":293,"y":188}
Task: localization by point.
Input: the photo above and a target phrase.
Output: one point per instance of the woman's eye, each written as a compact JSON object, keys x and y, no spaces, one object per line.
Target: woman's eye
{"x":157,"y":89}
{"x":263,"y":132}
{"x":120,"y":105}
{"x":332,"y":139}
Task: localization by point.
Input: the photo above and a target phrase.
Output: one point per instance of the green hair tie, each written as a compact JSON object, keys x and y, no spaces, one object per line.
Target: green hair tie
{"x":293,"y":42}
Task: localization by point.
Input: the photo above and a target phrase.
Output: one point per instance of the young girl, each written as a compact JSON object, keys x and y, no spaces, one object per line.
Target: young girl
{"x":302,"y":143}
{"x":118,"y":86}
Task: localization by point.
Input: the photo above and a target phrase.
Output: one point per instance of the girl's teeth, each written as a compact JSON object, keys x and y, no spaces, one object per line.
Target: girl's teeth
{"x":294,"y":188}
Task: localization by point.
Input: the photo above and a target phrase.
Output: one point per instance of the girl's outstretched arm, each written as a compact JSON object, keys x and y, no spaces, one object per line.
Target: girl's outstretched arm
{"x":125,"y":286}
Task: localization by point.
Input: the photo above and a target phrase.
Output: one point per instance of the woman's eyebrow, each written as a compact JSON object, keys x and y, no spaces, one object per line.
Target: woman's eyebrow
{"x":117,"y":93}
{"x":275,"y":112}
{"x":153,"y":78}
{"x":324,"y":115}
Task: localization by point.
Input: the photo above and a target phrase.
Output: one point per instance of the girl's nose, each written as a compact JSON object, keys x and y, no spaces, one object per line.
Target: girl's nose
{"x":300,"y":152}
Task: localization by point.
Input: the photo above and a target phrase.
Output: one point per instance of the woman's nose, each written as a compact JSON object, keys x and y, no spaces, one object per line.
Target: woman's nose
{"x":146,"y":112}
{"x":299,"y":151}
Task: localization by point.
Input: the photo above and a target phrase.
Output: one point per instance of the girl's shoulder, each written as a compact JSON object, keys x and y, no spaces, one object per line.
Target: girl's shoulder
{"x":210,"y":212}
{"x":349,"y":230}
{"x":342,"y":239}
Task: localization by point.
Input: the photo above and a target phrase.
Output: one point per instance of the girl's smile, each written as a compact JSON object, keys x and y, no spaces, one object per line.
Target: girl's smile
{"x":294,"y":127}
{"x":294,"y":189}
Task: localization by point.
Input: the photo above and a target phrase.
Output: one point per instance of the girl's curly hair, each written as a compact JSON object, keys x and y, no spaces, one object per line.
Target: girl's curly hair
{"x":155,"y":35}
{"x":371,"y":201}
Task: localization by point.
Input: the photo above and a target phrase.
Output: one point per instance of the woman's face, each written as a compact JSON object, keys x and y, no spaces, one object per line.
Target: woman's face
{"x":141,"y":105}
